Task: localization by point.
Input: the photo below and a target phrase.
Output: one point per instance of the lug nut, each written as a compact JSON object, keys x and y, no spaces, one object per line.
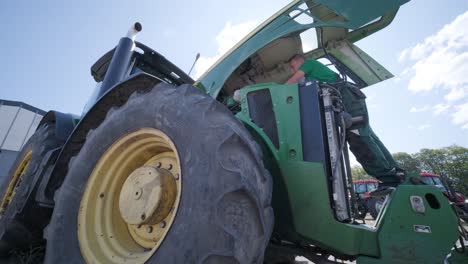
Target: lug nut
{"x":170,"y":167}
{"x":162,"y":224}
{"x":149,"y":229}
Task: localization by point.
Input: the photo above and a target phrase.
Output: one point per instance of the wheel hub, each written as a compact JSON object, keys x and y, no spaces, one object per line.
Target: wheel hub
{"x":147,"y":196}
{"x":131,"y":199}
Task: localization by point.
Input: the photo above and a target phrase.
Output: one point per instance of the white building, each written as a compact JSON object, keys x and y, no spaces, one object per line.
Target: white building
{"x":18,"y":121}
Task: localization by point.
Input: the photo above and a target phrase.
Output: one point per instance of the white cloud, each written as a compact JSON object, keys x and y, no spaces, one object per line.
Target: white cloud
{"x":419,"y":110}
{"x":420,"y":127}
{"x":440,"y":62}
{"x":460,"y":116}
{"x":440,"y":108}
{"x":423,"y":127}
{"x":403,"y":55}
{"x":203,"y":64}
{"x":229,"y":36}
{"x":455,"y":94}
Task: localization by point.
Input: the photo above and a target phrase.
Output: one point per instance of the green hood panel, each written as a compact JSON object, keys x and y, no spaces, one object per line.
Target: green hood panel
{"x":360,"y":12}
{"x":358,"y":17}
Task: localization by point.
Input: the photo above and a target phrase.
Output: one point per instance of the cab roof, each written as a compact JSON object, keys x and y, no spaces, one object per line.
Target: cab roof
{"x":428,"y":174}
{"x":366,"y":181}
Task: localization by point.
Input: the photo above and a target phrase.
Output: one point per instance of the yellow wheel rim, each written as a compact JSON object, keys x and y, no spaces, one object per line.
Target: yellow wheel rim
{"x":130,"y":199}
{"x":15,"y":181}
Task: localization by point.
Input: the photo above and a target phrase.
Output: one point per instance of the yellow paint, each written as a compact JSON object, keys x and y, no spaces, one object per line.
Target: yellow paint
{"x":108,"y":231}
{"x":15,"y":181}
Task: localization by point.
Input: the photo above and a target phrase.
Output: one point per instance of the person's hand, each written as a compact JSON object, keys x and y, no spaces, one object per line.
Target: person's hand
{"x":296,"y":77}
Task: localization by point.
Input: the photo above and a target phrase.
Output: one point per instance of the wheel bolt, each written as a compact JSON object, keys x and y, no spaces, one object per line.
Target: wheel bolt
{"x":149,"y":229}
{"x":176,"y":176}
{"x":162,"y":224}
{"x":158,"y":165}
{"x":170,"y":167}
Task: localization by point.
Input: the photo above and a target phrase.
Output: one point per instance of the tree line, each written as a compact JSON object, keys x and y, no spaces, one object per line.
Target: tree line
{"x":451,"y":162}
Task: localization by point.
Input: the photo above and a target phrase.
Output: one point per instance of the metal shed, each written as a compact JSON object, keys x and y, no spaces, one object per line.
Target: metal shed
{"x":18,"y":121}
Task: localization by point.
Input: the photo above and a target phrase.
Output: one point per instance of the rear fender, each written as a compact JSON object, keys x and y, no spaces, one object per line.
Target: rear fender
{"x":115,"y":97}
{"x":64,"y":123}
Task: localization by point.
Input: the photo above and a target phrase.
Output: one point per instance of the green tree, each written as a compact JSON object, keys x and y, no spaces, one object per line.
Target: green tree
{"x":407,"y":162}
{"x":358,"y":173}
{"x":451,"y":162}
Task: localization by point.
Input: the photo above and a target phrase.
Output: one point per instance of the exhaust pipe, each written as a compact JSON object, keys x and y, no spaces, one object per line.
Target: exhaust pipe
{"x":134,"y":30}
{"x":121,"y":60}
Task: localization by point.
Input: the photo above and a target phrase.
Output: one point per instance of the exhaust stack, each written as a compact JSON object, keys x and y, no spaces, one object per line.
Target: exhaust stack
{"x":134,"y":30}
{"x":121,"y":60}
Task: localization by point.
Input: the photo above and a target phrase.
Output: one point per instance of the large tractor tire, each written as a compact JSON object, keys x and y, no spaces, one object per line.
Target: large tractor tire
{"x":169,"y":177}
{"x":21,"y":219}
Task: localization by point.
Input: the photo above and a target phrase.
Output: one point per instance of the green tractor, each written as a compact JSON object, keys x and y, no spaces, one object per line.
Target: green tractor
{"x":236,"y":167}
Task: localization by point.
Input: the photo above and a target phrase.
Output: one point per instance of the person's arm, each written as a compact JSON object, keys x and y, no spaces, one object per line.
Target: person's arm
{"x":296,"y":77}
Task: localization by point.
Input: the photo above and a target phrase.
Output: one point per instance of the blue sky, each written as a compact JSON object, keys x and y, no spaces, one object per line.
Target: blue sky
{"x":47,"y":49}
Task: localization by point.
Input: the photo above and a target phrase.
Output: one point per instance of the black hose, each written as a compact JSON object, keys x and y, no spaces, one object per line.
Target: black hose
{"x":342,"y":144}
{"x":343,"y":76}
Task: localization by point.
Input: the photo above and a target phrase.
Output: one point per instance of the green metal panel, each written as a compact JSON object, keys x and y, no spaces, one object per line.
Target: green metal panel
{"x":303,"y":209}
{"x":371,"y":28}
{"x":363,"y":65}
{"x":360,"y":12}
{"x":306,"y":199}
{"x":280,"y":197}
{"x":398,"y":239}
{"x":306,"y":183}
{"x":285,"y":99}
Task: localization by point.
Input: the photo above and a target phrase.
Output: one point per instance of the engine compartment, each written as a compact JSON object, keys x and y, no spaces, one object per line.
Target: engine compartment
{"x":269,"y":64}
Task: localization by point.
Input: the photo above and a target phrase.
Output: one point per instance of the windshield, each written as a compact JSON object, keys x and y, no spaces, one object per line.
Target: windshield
{"x":437,"y":180}
{"x":427,"y":180}
{"x":434,"y":181}
{"x":360,"y":188}
{"x":371,"y":186}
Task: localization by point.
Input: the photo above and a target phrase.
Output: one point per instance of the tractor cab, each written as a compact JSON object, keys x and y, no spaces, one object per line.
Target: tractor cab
{"x":444,"y":186}
{"x":364,"y":187}
{"x":433,"y":179}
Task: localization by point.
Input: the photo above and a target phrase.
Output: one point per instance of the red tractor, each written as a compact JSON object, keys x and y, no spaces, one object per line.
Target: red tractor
{"x":444,"y":185}
{"x":366,"y":203}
